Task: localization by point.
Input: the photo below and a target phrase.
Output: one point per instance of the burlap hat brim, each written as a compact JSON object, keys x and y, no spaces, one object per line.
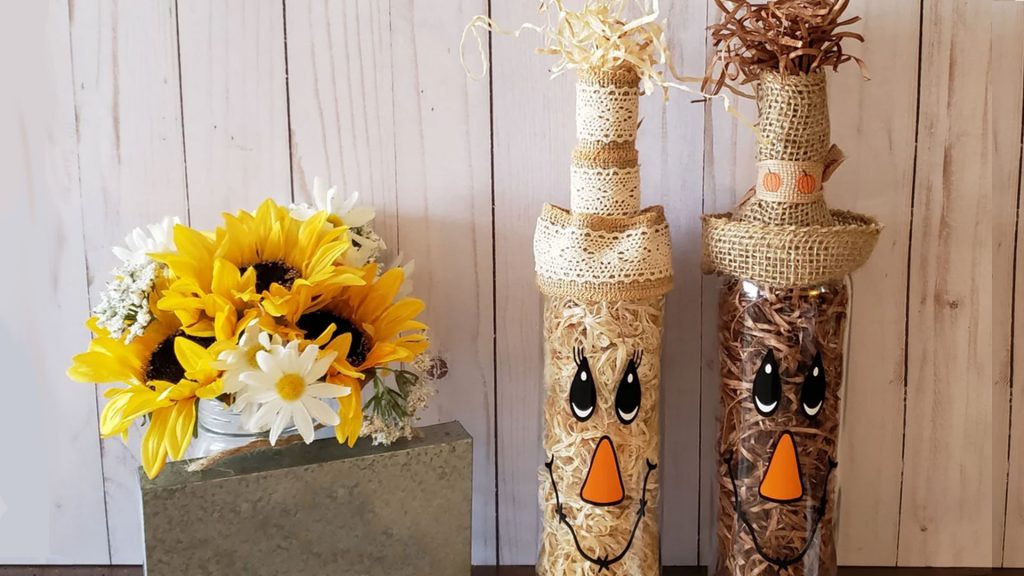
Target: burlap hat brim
{"x":788,"y":256}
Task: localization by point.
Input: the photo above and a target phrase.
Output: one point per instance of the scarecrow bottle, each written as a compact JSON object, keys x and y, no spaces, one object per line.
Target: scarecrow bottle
{"x":783,"y":316}
{"x":604,"y":267}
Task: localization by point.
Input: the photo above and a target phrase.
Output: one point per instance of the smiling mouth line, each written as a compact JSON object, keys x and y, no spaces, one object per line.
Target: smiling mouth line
{"x":820,"y":513}
{"x":603,"y":562}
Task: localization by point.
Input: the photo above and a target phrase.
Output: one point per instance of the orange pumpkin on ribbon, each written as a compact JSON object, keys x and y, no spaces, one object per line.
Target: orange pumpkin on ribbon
{"x":772,"y":181}
{"x":806,"y":184}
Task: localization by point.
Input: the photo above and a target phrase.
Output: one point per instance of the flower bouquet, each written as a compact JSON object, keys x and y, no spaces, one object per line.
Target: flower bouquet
{"x":284,"y":316}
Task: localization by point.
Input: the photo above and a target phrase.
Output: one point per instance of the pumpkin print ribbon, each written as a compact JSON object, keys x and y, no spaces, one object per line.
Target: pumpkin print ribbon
{"x":795,"y":182}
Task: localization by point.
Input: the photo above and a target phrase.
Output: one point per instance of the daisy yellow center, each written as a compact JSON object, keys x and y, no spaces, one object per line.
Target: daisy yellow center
{"x":314,"y":324}
{"x":274,"y":272}
{"x":163,"y":363}
{"x":290,"y":387}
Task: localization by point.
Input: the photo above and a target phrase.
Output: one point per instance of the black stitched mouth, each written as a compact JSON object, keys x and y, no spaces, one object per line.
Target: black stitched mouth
{"x":820,"y":513}
{"x":604,"y":562}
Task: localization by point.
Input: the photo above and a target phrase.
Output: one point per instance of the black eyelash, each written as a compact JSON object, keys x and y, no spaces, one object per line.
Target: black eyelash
{"x":578,"y":356}
{"x":638,"y":357}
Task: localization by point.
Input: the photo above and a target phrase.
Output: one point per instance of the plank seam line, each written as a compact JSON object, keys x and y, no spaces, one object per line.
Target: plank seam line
{"x":85,"y":258}
{"x":181,"y":109}
{"x":910,"y":254}
{"x":287,"y":99}
{"x":1013,"y":327}
{"x":494,"y":296}
{"x":394,"y":133}
{"x":700,"y":332}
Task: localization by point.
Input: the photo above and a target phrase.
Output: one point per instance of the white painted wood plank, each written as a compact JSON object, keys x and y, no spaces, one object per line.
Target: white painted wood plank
{"x":234,"y":101}
{"x":1007,"y":107}
{"x":670,"y":142}
{"x":948,"y":465}
{"x":132,"y":173}
{"x":533,"y":138}
{"x":342,"y":123}
{"x":442,"y":146}
{"x":875,"y":122}
{"x":52,"y":487}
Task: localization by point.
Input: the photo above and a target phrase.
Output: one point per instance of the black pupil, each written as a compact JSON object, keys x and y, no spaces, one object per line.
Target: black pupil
{"x":163,"y":363}
{"x":583,"y":393}
{"x":627,"y":398}
{"x":812,"y":393}
{"x":314,"y":324}
{"x":767,"y":384}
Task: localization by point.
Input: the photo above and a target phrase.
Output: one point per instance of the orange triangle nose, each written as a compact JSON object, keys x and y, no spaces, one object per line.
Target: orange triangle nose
{"x":781,"y":482}
{"x":603,"y":486}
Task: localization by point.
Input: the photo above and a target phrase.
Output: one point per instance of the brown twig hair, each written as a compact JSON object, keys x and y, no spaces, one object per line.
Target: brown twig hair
{"x":787,"y":36}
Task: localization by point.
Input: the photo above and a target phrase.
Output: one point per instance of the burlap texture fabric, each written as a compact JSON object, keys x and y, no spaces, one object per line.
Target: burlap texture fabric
{"x":784,"y":235}
{"x":603,"y":258}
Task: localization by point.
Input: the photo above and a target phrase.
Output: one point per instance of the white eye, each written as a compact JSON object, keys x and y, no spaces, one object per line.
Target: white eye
{"x":813,"y":411}
{"x":581,"y":413}
{"x":766,"y":408}
{"x":815,"y":372}
{"x":767,"y":368}
{"x":629,"y":378}
{"x":583,"y":376}
{"x":629,"y":416}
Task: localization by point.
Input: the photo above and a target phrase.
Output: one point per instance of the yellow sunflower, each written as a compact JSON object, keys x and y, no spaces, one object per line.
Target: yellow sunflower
{"x":164,"y":372}
{"x":368,"y":329}
{"x":262,"y":262}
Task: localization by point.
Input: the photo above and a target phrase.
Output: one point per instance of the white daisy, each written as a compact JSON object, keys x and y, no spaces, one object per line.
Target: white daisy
{"x":140,"y":243}
{"x":242,"y":358}
{"x":351,"y":214}
{"x":287,"y":388}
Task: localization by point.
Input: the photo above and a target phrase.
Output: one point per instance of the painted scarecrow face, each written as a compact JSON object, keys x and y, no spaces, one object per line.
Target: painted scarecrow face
{"x":781,"y":456}
{"x":603,"y":451}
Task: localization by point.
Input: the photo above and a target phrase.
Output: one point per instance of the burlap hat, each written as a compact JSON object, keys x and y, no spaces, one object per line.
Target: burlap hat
{"x":783,"y":234}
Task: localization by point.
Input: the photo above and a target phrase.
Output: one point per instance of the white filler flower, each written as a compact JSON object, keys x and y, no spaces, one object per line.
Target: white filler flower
{"x":123,"y":310}
{"x":288,"y":389}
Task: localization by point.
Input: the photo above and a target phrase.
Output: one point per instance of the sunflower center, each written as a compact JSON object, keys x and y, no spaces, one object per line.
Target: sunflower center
{"x":290,"y":387}
{"x":273,"y":272}
{"x":314,"y":324}
{"x":163,"y":363}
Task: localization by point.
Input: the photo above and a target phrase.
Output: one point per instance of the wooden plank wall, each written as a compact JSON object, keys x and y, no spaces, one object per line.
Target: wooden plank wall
{"x":190,"y":108}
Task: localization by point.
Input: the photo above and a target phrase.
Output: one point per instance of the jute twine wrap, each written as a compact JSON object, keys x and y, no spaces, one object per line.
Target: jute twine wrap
{"x":604,"y":267}
{"x":784,"y":235}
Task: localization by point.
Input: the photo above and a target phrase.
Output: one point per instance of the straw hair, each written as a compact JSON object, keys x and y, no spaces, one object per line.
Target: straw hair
{"x":777,"y":236}
{"x":608,"y":334}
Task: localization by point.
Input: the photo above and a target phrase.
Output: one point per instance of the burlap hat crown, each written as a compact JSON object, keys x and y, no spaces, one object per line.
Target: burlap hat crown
{"x":783,"y":234}
{"x":604,"y":247}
